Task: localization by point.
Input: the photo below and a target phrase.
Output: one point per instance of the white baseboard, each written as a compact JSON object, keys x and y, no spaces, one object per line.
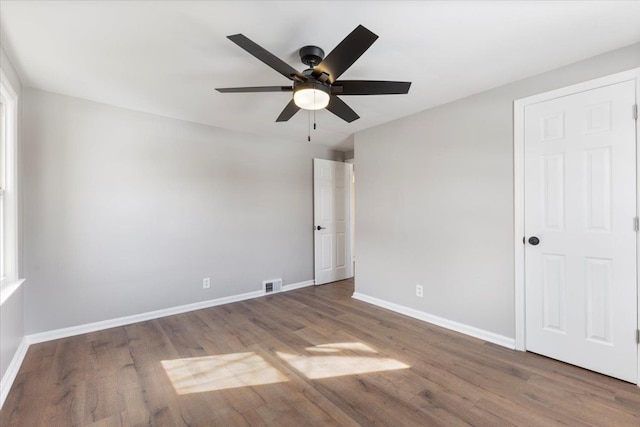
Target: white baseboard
{"x":439,"y":321}
{"x":135,"y":318}
{"x":127,"y":320}
{"x":12,"y":370}
{"x":10,"y":375}
{"x":298,"y":285}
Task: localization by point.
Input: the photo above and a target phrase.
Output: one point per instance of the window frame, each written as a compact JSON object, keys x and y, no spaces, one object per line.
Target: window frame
{"x":3,"y":142}
{"x":9,"y":182}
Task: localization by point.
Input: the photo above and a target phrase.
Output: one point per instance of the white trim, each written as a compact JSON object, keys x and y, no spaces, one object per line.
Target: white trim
{"x":127,"y":320}
{"x":637,"y":70}
{"x":348,"y":273}
{"x":10,"y":375}
{"x":439,"y":321}
{"x":298,"y":285}
{"x":135,"y":318}
{"x":12,"y":370}
{"x":585,"y":86}
{"x":11,"y":198}
{"x":518,"y":226}
{"x":518,"y":177}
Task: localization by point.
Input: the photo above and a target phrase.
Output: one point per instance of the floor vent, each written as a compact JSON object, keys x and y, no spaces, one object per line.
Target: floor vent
{"x":272,"y":286}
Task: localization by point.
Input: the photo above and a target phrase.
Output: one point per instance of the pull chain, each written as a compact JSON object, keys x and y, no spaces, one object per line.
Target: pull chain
{"x":309,"y":119}
{"x":314,"y":111}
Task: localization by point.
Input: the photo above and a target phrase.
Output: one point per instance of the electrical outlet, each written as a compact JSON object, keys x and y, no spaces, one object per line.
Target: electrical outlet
{"x":206,"y":283}
{"x":419,"y":291}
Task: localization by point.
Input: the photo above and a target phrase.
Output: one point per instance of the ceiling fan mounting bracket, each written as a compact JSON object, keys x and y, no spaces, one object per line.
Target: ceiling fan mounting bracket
{"x":311,"y":55}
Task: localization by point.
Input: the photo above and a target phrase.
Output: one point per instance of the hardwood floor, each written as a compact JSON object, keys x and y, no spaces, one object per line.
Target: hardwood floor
{"x":312,"y":356}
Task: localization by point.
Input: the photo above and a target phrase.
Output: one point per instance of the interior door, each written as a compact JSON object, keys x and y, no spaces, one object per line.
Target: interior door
{"x":580,"y":205}
{"x":331,"y":213}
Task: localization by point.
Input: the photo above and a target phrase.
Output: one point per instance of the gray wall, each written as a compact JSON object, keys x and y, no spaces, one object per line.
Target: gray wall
{"x":126,"y":212}
{"x":434,"y":201}
{"x":12,"y":310}
{"x":11,"y":327}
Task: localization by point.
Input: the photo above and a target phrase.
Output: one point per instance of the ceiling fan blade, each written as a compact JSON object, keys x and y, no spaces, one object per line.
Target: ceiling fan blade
{"x":338,"y":107}
{"x":254,"y":89}
{"x":369,"y":87}
{"x":288,"y":112}
{"x":346,"y":53}
{"x":267,"y":57}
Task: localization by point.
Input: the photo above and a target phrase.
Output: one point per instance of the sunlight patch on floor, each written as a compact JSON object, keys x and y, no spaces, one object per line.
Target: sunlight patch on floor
{"x":226,"y":371}
{"x":340,"y":359}
{"x":210,"y":373}
{"x":341,"y":346}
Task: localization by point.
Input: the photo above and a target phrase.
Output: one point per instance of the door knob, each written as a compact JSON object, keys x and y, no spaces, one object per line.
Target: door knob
{"x":320,"y":228}
{"x":533,"y":240}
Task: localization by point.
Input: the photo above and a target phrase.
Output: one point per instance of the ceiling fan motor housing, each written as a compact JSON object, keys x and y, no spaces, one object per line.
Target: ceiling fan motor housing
{"x":311,"y":55}
{"x":312,"y":84}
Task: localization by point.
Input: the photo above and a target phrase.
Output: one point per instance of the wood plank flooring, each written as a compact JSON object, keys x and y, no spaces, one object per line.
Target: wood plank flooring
{"x":309,"y":357}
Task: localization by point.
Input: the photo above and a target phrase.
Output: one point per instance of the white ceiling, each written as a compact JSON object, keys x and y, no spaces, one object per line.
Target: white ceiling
{"x":166,"y":57}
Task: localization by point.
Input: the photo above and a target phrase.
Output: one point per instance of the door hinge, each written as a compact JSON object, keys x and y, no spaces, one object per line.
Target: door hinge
{"x":635,"y":111}
{"x":638,"y":336}
{"x":636,"y":224}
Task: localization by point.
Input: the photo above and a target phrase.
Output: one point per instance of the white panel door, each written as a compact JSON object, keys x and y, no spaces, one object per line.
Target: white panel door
{"x":331,"y":208}
{"x":580,"y":203}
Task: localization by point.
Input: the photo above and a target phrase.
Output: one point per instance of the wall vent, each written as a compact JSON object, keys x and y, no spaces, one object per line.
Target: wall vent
{"x":272,"y":286}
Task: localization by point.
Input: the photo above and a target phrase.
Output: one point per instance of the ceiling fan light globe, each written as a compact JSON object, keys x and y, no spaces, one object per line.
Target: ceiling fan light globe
{"x":311,"y":98}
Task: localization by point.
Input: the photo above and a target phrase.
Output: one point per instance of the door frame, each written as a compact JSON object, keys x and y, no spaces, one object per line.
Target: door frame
{"x":519,"y":106}
{"x":352,"y":215}
{"x":348,"y":222}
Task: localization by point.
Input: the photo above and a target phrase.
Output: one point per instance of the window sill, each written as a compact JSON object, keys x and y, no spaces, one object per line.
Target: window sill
{"x":7,"y":289}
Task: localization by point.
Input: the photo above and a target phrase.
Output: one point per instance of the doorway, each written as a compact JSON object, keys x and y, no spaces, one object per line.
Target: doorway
{"x":332,"y":221}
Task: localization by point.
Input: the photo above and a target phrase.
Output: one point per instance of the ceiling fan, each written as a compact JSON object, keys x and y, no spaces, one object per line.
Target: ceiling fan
{"x":318,"y":86}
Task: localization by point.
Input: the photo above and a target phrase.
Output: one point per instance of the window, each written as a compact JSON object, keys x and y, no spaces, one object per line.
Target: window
{"x":8,"y":183}
{"x":3,"y":168}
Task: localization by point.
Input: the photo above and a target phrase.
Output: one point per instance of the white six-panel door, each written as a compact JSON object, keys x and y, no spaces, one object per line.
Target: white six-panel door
{"x":580,"y":203}
{"x":332,"y":228}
